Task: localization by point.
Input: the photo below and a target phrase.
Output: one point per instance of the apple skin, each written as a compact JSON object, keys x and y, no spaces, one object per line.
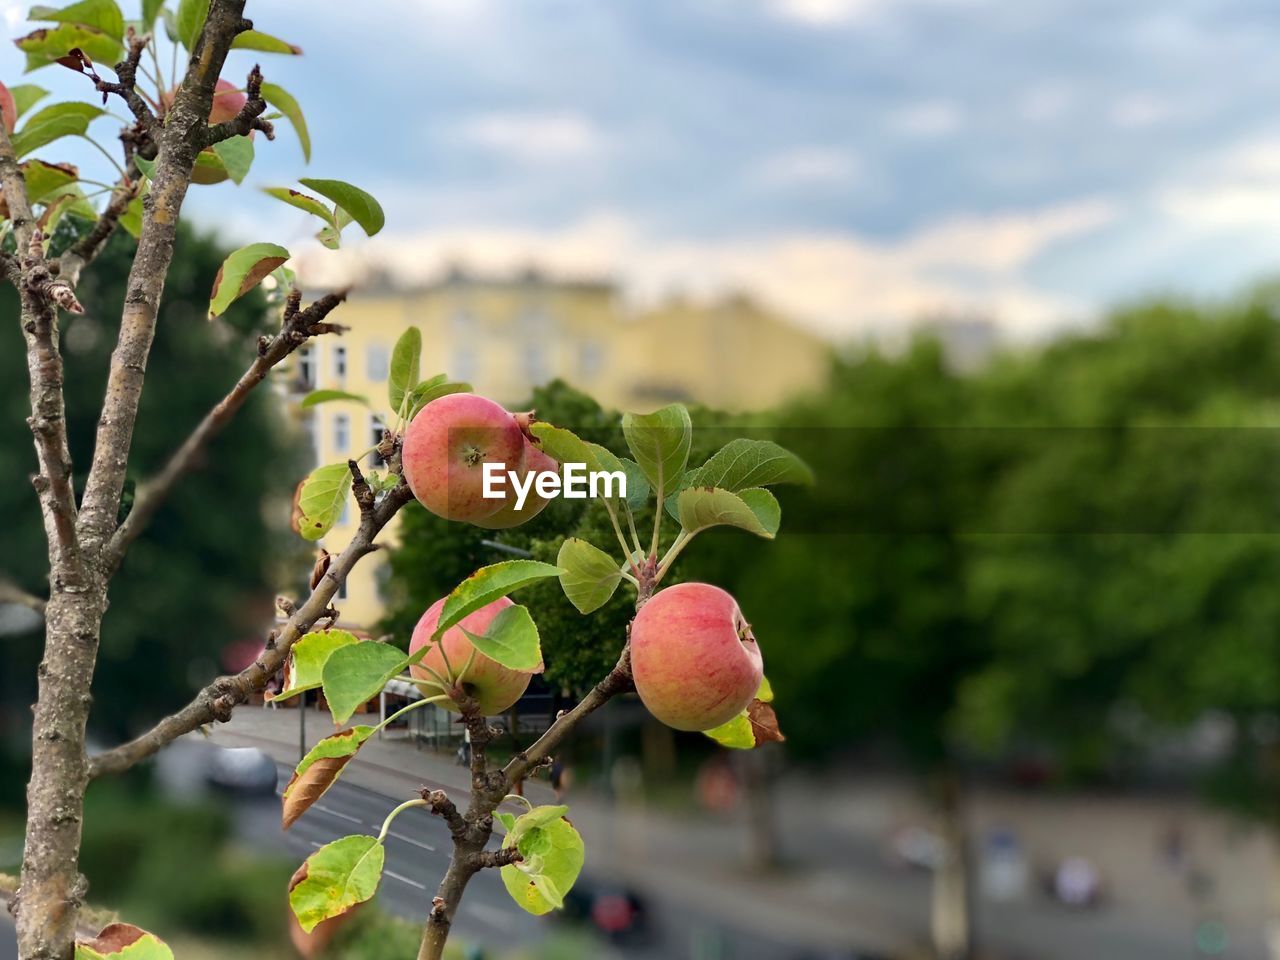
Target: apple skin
{"x":228,"y":100}
{"x":494,"y":687}
{"x":694,"y":659}
{"x":445,"y":450}
{"x":535,"y":461}
{"x":8,"y":109}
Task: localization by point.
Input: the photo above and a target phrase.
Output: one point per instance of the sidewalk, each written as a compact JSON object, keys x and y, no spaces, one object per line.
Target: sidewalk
{"x":696,"y":861}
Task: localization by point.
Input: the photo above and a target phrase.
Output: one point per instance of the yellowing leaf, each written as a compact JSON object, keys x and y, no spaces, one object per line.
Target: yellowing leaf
{"x":242,"y":271}
{"x":321,"y":499}
{"x":336,"y":878}
{"x":317,"y":771}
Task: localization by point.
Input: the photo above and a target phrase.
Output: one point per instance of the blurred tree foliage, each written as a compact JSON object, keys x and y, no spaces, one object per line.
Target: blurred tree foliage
{"x":202,"y":576}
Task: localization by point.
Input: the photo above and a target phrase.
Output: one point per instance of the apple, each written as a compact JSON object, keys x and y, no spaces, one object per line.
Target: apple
{"x":8,"y":109}
{"x":445,"y":450}
{"x":693,"y":657}
{"x":533,"y":461}
{"x":493,"y":686}
{"x":228,"y":100}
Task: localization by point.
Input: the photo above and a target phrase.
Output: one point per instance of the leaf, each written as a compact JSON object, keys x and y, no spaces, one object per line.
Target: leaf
{"x":588,"y":575}
{"x":284,"y":101}
{"x":338,"y":876}
{"x":559,"y":863}
{"x":242,"y":271}
{"x":660,"y":443}
{"x":189,"y":21}
{"x":123,"y":941}
{"x":488,"y":584}
{"x":361,"y":206}
{"x":756,"y":725}
{"x":26,"y":96}
{"x":511,"y":639}
{"x":508,"y":820}
{"x":264,"y":42}
{"x":51,"y":44}
{"x":150,"y":10}
{"x":236,"y":154}
{"x":102,"y":15}
{"x":53,"y":123}
{"x":318,"y":770}
{"x":535,"y":818}
{"x":403,"y":375}
{"x":433,"y":389}
{"x":637,"y":484}
{"x":307,"y":658}
{"x":743,"y":463}
{"x":357,"y":673}
{"x":755,"y":511}
{"x":317,"y":397}
{"x":321,"y":499}
{"x":564,"y":445}
{"x":131,"y":219}
{"x":47,"y":179}
{"x":147,"y":167}
{"x":765,"y":693}
{"x":302,"y":201}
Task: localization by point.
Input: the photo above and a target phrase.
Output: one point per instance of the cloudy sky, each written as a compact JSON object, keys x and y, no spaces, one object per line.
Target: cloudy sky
{"x":855,"y":162}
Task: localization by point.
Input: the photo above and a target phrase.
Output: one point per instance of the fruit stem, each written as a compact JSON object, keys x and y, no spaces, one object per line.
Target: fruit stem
{"x":516,"y":796}
{"x":386,"y":824}
{"x":622,"y":541}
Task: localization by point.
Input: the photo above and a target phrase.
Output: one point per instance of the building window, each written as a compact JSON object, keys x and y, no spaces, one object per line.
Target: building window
{"x":306,"y":369}
{"x":340,"y":364}
{"x":535,"y":321}
{"x":377,"y":360}
{"x":341,"y":433}
{"x":590,"y":359}
{"x":464,"y":365}
{"x":375,"y":438}
{"x":536,"y":368}
{"x":309,"y":428}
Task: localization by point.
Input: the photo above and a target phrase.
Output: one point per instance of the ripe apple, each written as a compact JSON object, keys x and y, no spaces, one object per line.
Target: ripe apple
{"x":494,"y":687}
{"x":534,"y":461}
{"x":445,"y":450}
{"x":8,"y":109}
{"x":228,"y":100}
{"x":693,"y":657}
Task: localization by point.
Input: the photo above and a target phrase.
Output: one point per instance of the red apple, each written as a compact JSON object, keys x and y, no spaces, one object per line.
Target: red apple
{"x":8,"y":109}
{"x":693,"y":657}
{"x":534,"y":461}
{"x":228,"y":101}
{"x":494,"y":687}
{"x":445,"y":450}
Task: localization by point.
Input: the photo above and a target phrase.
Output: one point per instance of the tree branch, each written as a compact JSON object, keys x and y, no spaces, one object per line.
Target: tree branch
{"x":218,"y":699}
{"x":297,"y":327}
{"x":249,"y":117}
{"x":10,"y":592}
{"x":126,"y":86}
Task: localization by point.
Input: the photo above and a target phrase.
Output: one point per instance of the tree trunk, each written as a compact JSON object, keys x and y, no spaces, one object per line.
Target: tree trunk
{"x":951,"y":916}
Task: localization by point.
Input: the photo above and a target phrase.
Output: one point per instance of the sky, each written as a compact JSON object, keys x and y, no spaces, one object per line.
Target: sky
{"x":857,"y":164}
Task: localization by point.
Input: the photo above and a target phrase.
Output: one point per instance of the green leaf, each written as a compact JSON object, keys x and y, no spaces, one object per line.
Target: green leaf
{"x":755,"y":511}
{"x":660,"y":443}
{"x":51,"y":44}
{"x":236,"y":154}
{"x":558,"y":864}
{"x":508,"y":820}
{"x":53,"y":123}
{"x":433,"y":389}
{"x":189,"y":21}
{"x":536,"y":818}
{"x":403,"y":376}
{"x":743,"y":463}
{"x":26,"y":96}
{"x":338,"y":876}
{"x":145,"y":166}
{"x":131,"y":219}
{"x":317,"y":397}
{"x":307,"y":657}
{"x":361,"y":206}
{"x":123,"y":941}
{"x":357,"y":673}
{"x":302,"y":201}
{"x":736,"y":734}
{"x":318,"y":770}
{"x":102,"y":15}
{"x":488,"y":584}
{"x":765,"y":693}
{"x":242,"y":271}
{"x":264,"y":42}
{"x":638,"y":488}
{"x":284,"y":101}
{"x":45,"y":180}
{"x":564,"y":445}
{"x":320,"y":502}
{"x":150,"y":10}
{"x":511,"y":639}
{"x":588,"y":575}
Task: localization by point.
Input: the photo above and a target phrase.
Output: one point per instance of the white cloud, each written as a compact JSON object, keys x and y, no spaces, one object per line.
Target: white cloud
{"x":839,"y":284}
{"x":12,"y":13}
{"x":535,"y":137}
{"x":823,"y":14}
{"x":1240,"y":187}
{"x":1138,"y":110}
{"x":928,"y":119}
{"x":807,"y":166}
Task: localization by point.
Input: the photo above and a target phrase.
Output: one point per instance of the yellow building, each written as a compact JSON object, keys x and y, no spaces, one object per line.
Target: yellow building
{"x":506,"y":336}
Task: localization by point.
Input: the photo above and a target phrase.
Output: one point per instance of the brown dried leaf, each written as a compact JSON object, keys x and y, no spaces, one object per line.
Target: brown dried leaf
{"x":318,"y":770}
{"x":764,"y":723}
